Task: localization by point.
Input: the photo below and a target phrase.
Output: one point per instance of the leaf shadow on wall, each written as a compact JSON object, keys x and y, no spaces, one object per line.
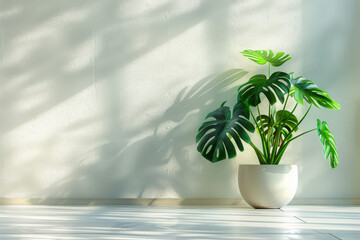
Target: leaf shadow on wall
{"x":163,"y":160}
{"x":68,"y":50}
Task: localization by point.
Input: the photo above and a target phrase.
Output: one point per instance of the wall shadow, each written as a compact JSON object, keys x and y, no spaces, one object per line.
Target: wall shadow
{"x":71,"y":57}
{"x":163,"y":161}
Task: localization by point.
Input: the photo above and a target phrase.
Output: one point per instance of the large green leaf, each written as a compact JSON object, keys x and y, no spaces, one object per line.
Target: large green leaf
{"x":276,"y":86}
{"x":214,"y":136}
{"x":262,"y":57}
{"x":283,"y":121}
{"x":266,"y":123}
{"x":287,"y":121}
{"x":328,"y":141}
{"x":306,"y":89}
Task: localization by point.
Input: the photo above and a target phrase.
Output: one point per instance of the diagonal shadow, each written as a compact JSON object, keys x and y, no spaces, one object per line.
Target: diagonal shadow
{"x":162,"y":160}
{"x":109,"y":55}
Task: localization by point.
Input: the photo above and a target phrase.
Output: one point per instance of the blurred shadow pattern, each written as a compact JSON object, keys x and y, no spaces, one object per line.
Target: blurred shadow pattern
{"x":104,"y":98}
{"x":84,"y":118}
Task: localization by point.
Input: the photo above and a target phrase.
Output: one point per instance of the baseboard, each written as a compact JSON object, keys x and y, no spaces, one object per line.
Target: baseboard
{"x":223,"y":202}
{"x":325,"y":201}
{"x":124,"y":201}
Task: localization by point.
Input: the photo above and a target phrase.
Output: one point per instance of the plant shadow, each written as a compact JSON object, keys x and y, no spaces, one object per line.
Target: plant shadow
{"x":164,"y":161}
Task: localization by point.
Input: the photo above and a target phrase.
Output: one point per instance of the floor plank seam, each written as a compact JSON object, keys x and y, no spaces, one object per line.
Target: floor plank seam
{"x":334,"y":236}
{"x":310,"y":222}
{"x":300,"y":219}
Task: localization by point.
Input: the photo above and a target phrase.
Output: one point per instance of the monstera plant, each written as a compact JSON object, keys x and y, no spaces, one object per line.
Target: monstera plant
{"x":226,"y":129}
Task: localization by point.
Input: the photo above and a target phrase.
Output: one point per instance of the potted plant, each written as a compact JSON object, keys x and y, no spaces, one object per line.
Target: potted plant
{"x":268,"y":185}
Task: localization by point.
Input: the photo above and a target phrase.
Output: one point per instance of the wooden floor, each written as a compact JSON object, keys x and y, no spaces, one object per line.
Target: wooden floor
{"x":140,"y":222}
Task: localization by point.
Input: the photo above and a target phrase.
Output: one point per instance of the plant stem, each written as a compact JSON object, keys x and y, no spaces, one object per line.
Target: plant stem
{"x":269,"y":130}
{"x":260,"y":156}
{"x":282,"y":149}
{"x":276,"y":157}
{"x":263,"y":141}
{"x":287,"y":98}
{"x":284,"y":121}
{"x":292,"y":139}
{"x":263,"y":131}
{"x":294,"y":108}
{"x":273,"y":152}
{"x":286,"y":142}
{"x":300,"y":120}
{"x":261,"y":123}
{"x":254,"y":119}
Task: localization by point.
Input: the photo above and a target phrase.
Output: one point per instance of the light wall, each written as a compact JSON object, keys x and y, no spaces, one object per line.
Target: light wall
{"x":102,"y":99}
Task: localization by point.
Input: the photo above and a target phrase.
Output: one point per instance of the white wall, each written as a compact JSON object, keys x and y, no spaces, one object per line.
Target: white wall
{"x":104,"y":98}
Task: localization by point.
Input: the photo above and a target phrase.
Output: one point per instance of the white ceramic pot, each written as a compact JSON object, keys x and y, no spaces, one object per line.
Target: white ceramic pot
{"x":268,"y":186}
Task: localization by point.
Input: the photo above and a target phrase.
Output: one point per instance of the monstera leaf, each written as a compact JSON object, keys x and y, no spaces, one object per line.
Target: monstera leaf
{"x":277,"y":85}
{"x":284,"y":121}
{"x":214,"y":136}
{"x":328,"y":141}
{"x":306,"y":89}
{"x":266,"y":122}
{"x":262,"y":57}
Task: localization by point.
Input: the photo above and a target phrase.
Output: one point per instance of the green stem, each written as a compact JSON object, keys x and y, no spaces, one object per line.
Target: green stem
{"x":292,"y":130}
{"x":269,"y":130}
{"x":258,"y":153}
{"x":292,"y":139}
{"x":287,"y":98}
{"x":252,"y":115}
{"x":263,"y":131}
{"x":263,"y":141}
{"x":261,"y":123}
{"x":284,"y":122}
{"x":280,"y":154}
{"x":302,"y":119}
{"x":273,"y":152}
{"x":294,"y":108}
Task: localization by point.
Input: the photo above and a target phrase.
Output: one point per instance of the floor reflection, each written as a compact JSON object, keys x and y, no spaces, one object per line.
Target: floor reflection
{"x":141,"y":222}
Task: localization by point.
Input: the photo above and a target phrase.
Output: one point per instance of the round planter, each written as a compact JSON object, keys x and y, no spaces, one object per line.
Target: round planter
{"x":268,"y":186}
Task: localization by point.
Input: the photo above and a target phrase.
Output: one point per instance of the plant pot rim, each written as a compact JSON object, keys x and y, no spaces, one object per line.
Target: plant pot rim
{"x":268,"y":165}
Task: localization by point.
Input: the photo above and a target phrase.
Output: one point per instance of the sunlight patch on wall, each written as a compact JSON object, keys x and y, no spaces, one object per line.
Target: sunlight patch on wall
{"x":52,"y":144}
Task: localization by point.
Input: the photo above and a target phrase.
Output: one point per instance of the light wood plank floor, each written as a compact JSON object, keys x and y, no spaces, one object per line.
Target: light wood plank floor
{"x":205,"y":222}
